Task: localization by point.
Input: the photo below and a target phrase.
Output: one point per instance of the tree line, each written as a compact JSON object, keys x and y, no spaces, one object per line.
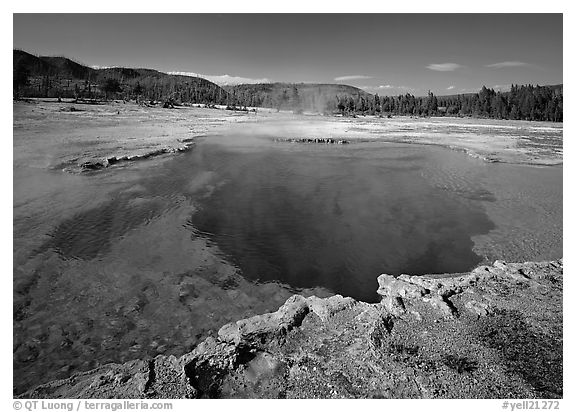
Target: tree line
{"x":115,"y":86}
{"x":526,"y":102}
{"x":62,"y":78}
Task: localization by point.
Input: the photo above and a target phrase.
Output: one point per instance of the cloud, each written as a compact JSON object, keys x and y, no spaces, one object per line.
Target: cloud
{"x":471,"y":90}
{"x":224,"y":79}
{"x":389,"y":86}
{"x":450,"y":87}
{"x":352,"y":77}
{"x":386,"y":87}
{"x":501,"y":65}
{"x":444,"y":67}
{"x":501,"y":87}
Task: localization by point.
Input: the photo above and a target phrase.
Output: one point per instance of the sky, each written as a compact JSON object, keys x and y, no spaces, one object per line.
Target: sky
{"x":388,"y":54}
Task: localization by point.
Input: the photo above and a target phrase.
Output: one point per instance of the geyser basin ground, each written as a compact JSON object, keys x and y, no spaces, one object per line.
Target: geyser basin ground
{"x":151,"y":257}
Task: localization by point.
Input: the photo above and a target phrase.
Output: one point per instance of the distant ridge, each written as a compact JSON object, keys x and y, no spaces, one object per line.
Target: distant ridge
{"x":554,"y":87}
{"x":63,"y":77}
{"x":56,"y":76}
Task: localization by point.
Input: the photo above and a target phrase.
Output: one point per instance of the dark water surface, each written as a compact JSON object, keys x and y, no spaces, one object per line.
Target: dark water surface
{"x":152,"y":257}
{"x":336,"y":216}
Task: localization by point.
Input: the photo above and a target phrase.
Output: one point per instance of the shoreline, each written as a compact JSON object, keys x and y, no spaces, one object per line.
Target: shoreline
{"x":104,"y":119}
{"x":72,"y":166}
{"x":493,"y":332}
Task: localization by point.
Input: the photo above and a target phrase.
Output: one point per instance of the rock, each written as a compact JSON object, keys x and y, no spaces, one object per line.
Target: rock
{"x":259,"y":329}
{"x":445,"y":287}
{"x":169,"y":379}
{"x":481,"y":309}
{"x":389,"y":286}
{"x":327,"y":307}
{"x":327,"y":140}
{"x":94,"y":165}
{"x":206,"y":366}
{"x":262,"y":367}
{"x":110,"y":381}
{"x":394,"y":305}
{"x":442,"y":305}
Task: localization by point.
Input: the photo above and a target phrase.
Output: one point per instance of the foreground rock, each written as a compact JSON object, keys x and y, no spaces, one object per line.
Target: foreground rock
{"x":495,"y":332}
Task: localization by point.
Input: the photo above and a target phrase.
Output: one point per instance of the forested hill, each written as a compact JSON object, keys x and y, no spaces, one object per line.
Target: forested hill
{"x":526,"y":102}
{"x":40,"y":76}
{"x":295,"y":96}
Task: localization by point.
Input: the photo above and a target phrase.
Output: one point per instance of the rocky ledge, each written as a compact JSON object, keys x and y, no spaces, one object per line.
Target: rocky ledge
{"x":495,"y":332}
{"x":323,"y":140}
{"x":106,"y":162}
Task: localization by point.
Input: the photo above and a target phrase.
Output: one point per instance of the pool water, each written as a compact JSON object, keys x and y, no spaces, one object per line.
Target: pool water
{"x":152,"y":257}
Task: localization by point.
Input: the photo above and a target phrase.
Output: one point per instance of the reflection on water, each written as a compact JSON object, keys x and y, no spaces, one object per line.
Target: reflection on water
{"x":335,"y":216}
{"x":136,"y":261}
{"x":89,"y":234}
